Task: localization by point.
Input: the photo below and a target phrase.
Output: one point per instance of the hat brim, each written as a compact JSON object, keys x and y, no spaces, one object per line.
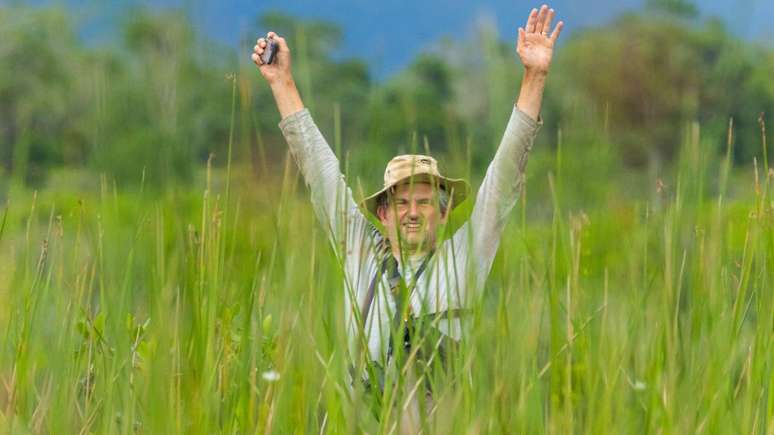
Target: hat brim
{"x":457,"y":188}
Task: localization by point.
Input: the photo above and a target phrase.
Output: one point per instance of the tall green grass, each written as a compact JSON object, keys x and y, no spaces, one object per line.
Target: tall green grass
{"x":636,"y":305}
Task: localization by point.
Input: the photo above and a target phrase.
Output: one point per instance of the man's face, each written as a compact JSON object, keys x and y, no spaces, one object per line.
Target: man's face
{"x":414,"y":215}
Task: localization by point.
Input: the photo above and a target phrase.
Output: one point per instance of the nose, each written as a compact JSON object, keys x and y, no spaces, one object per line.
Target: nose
{"x":413,"y":210}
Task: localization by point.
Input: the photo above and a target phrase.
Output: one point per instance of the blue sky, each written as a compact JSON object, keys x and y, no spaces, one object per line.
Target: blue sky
{"x":388,"y":34}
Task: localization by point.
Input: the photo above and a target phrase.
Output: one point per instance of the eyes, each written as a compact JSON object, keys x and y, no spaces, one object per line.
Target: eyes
{"x":403,"y":202}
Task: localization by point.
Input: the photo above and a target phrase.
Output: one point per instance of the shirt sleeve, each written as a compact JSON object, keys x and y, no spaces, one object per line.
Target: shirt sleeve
{"x":498,"y":193}
{"x":332,"y":200}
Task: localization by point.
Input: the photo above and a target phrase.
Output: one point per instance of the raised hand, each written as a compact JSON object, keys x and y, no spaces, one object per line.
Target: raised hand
{"x":279,"y":70}
{"x":535,"y":45}
{"x":279,"y":76}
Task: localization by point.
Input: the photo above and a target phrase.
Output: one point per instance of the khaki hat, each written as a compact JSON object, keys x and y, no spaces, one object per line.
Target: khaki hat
{"x":417,"y":168}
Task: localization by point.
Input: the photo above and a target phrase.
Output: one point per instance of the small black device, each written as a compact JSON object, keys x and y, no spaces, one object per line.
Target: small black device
{"x":270,"y":52}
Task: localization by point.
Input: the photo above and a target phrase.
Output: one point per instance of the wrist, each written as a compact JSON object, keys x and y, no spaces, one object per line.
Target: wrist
{"x":534,"y":74}
{"x":283,"y":85}
{"x":531,"y":93}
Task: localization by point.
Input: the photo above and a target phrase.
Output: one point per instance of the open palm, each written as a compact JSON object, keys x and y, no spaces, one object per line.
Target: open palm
{"x":535,"y":45}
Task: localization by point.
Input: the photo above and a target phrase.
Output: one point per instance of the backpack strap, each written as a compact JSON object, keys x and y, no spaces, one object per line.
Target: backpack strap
{"x":391,"y":264}
{"x":366,"y":308}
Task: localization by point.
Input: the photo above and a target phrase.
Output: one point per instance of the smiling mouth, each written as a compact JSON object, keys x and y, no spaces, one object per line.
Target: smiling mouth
{"x":412,"y":228}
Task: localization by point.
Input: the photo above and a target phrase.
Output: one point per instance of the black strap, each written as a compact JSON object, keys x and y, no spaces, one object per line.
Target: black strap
{"x":376,"y":374}
{"x":394,"y":280}
{"x":371,"y":289}
{"x":400,"y":303}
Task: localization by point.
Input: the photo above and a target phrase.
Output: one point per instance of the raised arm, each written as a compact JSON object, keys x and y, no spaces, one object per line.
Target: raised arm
{"x":332,"y":200}
{"x":503,"y":181}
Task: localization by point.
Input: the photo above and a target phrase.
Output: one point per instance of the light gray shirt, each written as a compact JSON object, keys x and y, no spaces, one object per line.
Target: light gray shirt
{"x":456,"y":272}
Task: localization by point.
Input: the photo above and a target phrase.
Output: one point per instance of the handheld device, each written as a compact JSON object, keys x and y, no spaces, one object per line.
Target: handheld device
{"x":270,"y":52}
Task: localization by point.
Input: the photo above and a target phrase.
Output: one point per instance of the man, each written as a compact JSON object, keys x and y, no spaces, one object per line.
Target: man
{"x":401,"y":275}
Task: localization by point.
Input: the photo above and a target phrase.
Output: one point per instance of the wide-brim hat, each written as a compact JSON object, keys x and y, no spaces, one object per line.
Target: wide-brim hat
{"x":417,"y":168}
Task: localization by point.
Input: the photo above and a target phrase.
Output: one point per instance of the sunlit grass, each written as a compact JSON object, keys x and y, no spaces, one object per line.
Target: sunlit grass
{"x":202,"y":311}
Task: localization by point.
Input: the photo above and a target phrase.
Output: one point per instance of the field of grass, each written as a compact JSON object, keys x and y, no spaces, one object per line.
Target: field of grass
{"x":618,"y":303}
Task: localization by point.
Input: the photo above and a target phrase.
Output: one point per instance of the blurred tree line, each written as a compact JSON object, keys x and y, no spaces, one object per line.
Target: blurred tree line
{"x":158,"y":103}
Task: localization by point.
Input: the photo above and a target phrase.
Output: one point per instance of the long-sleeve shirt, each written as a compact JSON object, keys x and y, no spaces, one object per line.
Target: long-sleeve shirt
{"x":455,"y":274}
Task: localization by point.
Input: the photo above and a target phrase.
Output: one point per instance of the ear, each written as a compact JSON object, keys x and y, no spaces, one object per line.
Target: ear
{"x":444,"y":214}
{"x":381,"y":213}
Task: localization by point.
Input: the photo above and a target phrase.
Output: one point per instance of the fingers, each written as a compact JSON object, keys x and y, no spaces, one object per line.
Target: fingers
{"x":260,"y":46}
{"x":522,"y":38}
{"x":549,"y":18}
{"x":530,"y":27}
{"x":541,"y":19}
{"x":261,"y":43}
{"x":557,"y":31}
{"x":258,"y":49}
{"x":283,"y":45}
